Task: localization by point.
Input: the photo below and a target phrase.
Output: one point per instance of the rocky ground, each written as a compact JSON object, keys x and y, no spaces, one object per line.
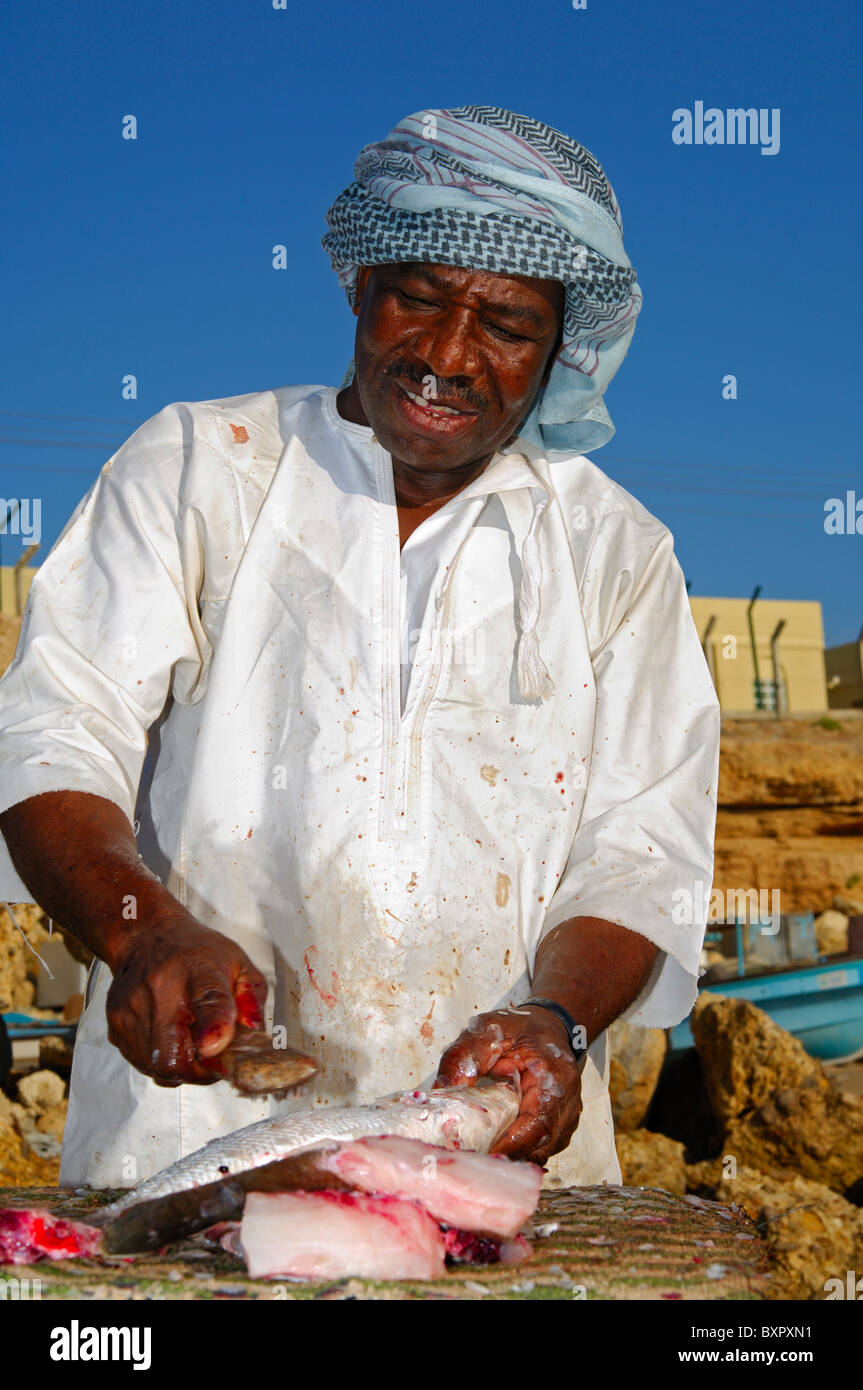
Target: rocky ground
{"x":752,"y":1120}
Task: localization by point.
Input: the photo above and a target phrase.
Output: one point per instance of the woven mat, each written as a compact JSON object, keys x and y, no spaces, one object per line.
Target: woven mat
{"x":591,"y":1243}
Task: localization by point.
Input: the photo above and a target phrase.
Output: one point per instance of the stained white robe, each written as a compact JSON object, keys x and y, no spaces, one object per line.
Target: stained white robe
{"x":215,"y":643}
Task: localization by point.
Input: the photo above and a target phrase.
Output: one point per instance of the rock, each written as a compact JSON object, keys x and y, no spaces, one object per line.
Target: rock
{"x":10,"y":1140}
{"x":12,"y":1112}
{"x":852,"y":907}
{"x":788,"y":764}
{"x":41,"y":1145}
{"x":651,"y":1160}
{"x":24,"y":997}
{"x":40,"y":1091}
{"x":745,"y":1056}
{"x":791,"y":811}
{"x":831,"y":933}
{"x":20,"y":1166}
{"x":637,"y":1055}
{"x":807,"y":871}
{"x":780,"y":1112}
{"x":18,"y":965}
{"x":813,"y":1234}
{"x":816,"y":1134}
{"x":53,"y":1121}
{"x":703,"y":1178}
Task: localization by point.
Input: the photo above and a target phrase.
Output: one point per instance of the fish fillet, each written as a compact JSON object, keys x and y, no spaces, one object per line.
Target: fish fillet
{"x":471,"y":1191}
{"x":333,"y":1235}
{"x":283,"y":1153}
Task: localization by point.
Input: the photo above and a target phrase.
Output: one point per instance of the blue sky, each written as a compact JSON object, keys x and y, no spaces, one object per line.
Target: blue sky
{"x":154,"y":256}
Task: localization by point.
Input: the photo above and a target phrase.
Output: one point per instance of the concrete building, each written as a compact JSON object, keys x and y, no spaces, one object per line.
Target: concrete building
{"x":845,"y":675}
{"x":789,"y":652}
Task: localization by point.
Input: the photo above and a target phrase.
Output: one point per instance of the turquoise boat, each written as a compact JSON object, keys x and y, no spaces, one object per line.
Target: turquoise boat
{"x":819,"y":999}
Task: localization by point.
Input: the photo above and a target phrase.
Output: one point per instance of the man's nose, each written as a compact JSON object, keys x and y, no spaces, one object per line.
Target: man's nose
{"x":449,"y":348}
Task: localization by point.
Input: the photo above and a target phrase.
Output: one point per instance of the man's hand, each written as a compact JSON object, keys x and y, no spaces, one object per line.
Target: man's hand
{"x":534,"y":1044}
{"x":179,"y":989}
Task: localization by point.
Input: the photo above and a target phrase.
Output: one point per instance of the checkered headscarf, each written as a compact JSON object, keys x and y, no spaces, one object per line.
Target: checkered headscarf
{"x":483,"y":188}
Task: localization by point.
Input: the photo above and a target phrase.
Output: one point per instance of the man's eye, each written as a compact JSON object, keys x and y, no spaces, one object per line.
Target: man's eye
{"x":507,"y":333}
{"x":415,"y":299}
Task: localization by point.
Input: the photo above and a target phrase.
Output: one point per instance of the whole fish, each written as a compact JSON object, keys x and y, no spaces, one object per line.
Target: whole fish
{"x":280,"y":1154}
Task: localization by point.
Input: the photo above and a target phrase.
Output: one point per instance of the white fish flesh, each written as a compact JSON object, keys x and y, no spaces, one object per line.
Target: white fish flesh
{"x":283,"y":1153}
{"x":470,"y":1191}
{"x":331,"y":1235}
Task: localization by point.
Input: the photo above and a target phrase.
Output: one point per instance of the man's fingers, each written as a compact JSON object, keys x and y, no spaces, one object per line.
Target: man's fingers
{"x":474,"y":1053}
{"x":174,"y":1058}
{"x":214,"y":1012}
{"x":529,"y":1136}
{"x":175,"y":1001}
{"x":462,"y":1066}
{"x":456,"y":1069}
{"x":530,"y":1057}
{"x":222,"y":1005}
{"x":148,"y":1034}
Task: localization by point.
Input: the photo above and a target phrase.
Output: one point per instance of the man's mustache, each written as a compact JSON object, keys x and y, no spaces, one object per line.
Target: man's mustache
{"x":450,"y":388}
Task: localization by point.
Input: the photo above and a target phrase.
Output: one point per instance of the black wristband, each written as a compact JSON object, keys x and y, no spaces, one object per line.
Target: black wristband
{"x":573,"y":1029}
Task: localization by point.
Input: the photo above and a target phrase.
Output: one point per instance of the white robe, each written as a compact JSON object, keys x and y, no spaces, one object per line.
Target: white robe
{"x":232,"y":584}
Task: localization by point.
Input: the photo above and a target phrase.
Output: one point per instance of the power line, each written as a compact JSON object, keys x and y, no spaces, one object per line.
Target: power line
{"x":89,"y":419}
{"x":60,"y":443}
{"x":707,"y":481}
{"x":646,"y":485}
{"x":700,"y":468}
{"x":748,"y":515}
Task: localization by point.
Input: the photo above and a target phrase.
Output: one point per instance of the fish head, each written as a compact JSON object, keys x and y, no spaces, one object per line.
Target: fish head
{"x":466,"y":1117}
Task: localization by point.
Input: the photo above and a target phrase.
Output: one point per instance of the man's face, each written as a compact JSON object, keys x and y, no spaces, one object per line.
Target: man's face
{"x":448,"y":361}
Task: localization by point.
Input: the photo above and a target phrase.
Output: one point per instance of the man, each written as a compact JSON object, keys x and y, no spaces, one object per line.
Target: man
{"x":428,"y":732}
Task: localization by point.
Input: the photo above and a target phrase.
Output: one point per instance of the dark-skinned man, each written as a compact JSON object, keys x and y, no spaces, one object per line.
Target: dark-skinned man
{"x":377,"y":715}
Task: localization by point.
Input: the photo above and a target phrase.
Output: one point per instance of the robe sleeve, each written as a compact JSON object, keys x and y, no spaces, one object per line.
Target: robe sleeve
{"x":645,"y":838}
{"x":111,"y":629}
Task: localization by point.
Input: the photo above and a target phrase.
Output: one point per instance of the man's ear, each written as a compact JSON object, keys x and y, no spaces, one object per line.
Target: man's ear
{"x":363,"y":274}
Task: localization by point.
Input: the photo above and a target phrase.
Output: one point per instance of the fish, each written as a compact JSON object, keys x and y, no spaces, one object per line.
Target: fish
{"x":283,"y":1153}
{"x":256,"y":1067}
{"x":333,"y":1235}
